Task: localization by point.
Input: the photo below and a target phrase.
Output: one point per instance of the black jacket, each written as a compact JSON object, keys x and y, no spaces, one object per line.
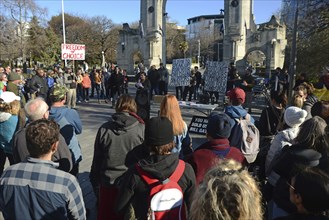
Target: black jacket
{"x":38,"y":84}
{"x":62,"y":155}
{"x":135,"y":192}
{"x":115,"y":148}
{"x":291,"y":160}
{"x":271,"y":121}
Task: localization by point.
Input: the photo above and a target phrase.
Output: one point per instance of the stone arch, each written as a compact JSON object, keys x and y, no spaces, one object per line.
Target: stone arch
{"x":256,"y":57}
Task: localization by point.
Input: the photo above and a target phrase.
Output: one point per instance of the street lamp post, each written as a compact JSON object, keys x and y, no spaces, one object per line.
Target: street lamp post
{"x":199,"y":52}
{"x":63,"y":20}
{"x":103,"y":59}
{"x":293,"y":57}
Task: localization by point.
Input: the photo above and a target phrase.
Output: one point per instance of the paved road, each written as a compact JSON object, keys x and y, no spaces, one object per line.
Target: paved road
{"x":93,"y":115}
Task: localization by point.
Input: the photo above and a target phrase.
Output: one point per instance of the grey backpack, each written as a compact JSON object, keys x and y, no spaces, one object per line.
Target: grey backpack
{"x":245,"y":136}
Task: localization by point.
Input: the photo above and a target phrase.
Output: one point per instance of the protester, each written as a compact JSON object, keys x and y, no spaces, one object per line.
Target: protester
{"x":9,"y":124}
{"x":154,"y":76}
{"x":309,"y":192}
{"x":216,"y":148}
{"x":169,"y":108}
{"x":36,"y":109}
{"x":35,"y":189}
{"x":86,"y":84}
{"x":3,"y":82}
{"x":134,"y":192}
{"x":198,"y":82}
{"x":306,"y":91}
{"x":271,"y":122}
{"x":189,"y":89}
{"x":38,"y":85}
{"x":116,"y":146}
{"x":70,"y":81}
{"x":235,"y":110}
{"x":321,"y":109}
{"x":69,"y":122}
{"x":115,"y":84}
{"x":227,"y":192}
{"x":164,"y":80}
{"x":309,"y":150}
{"x":293,"y":118}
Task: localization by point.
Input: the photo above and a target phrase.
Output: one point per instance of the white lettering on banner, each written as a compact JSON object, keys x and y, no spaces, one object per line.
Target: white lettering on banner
{"x":73,"y":51}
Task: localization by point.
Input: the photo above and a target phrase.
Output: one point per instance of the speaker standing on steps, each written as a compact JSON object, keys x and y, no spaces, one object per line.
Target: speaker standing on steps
{"x":143,"y":104}
{"x":142,"y":97}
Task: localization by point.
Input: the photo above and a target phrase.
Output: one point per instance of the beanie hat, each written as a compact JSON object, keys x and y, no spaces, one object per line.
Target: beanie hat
{"x":14,"y":76}
{"x":294,"y":116}
{"x":159,"y":131}
{"x":219,"y":125}
{"x":9,"y":97}
{"x":237,"y":93}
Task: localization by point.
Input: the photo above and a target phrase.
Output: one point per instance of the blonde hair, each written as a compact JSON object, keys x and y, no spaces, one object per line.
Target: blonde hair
{"x":227,"y":192}
{"x":298,"y":101}
{"x":15,"y":107}
{"x":170,"y":108}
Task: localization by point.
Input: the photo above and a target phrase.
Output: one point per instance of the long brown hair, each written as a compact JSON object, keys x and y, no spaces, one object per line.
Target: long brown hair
{"x":170,"y":108}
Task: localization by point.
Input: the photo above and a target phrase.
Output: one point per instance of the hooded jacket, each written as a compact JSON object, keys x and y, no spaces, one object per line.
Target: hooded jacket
{"x":135,"y":192}
{"x":209,"y":153}
{"x":8,"y":127}
{"x":118,"y":145}
{"x":237,"y":112}
{"x":70,"y":125}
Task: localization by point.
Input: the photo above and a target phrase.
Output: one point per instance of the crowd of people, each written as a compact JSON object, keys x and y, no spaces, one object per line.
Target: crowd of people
{"x":149,"y":169}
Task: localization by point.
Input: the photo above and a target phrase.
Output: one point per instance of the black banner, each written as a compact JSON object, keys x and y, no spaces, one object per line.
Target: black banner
{"x":198,"y":125}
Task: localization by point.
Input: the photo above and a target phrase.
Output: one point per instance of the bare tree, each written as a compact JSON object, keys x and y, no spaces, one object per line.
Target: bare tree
{"x":21,"y":11}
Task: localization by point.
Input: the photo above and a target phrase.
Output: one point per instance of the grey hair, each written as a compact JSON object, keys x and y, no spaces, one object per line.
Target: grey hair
{"x":312,"y":133}
{"x":35,"y":109}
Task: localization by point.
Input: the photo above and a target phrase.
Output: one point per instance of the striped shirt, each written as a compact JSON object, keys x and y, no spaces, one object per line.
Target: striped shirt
{"x":35,"y":189}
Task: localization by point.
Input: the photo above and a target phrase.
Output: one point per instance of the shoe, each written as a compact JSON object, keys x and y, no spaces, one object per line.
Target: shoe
{"x":79,"y":101}
{"x":106,"y":101}
{"x":99,"y":102}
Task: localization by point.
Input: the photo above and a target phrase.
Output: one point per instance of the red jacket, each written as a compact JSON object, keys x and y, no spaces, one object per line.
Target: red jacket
{"x":208,"y":154}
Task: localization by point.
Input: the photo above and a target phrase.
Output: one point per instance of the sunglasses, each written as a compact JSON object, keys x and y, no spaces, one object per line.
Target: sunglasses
{"x":291,"y":186}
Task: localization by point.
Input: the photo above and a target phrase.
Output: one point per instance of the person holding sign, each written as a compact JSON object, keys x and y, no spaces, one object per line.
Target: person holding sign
{"x":217,"y":146}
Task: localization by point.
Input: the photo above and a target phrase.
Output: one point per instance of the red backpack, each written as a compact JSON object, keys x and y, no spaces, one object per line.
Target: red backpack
{"x":166,"y":197}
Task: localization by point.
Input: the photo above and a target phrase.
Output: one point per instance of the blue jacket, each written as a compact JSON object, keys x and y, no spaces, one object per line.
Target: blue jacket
{"x":70,"y":124}
{"x":8,"y":127}
{"x":237,"y":112}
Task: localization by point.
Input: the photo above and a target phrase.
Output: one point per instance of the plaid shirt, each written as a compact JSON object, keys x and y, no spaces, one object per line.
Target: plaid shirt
{"x":35,"y":189}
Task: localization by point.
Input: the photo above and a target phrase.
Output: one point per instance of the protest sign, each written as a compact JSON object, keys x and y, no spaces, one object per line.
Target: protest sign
{"x":73,"y":51}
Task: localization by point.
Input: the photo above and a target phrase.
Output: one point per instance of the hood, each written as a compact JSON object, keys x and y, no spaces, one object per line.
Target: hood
{"x":235,"y":111}
{"x":123,"y":122}
{"x":57,"y":113}
{"x":4,"y":116}
{"x":160,"y":166}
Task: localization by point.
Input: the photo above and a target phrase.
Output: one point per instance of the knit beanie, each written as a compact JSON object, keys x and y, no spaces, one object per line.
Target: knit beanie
{"x":219,"y":125}
{"x":294,"y":116}
{"x":159,"y":131}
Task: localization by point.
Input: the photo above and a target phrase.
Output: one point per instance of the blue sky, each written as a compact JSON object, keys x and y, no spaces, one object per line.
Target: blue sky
{"x":121,"y":11}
